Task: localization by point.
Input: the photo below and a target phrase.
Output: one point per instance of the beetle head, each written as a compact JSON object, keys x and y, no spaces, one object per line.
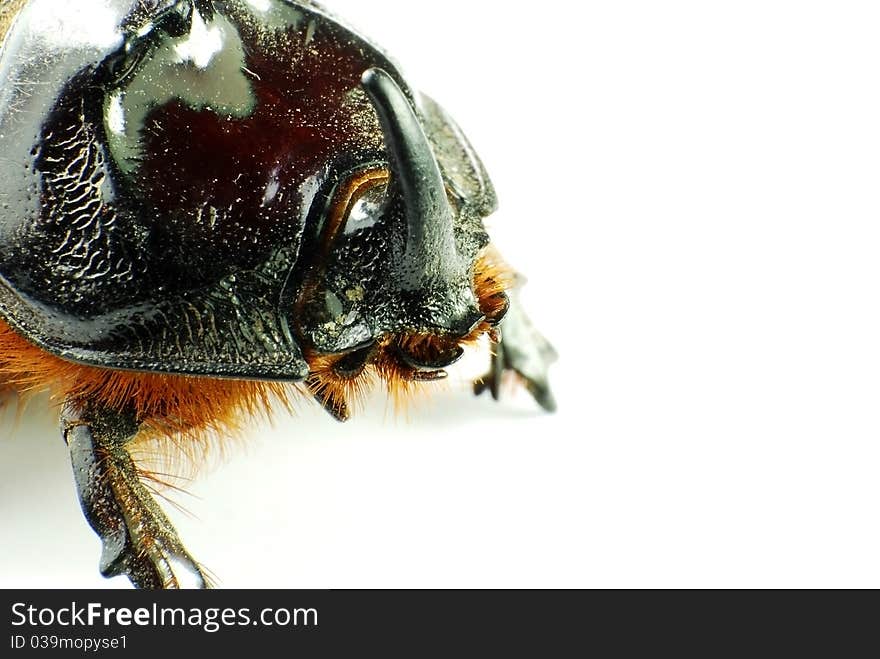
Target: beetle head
{"x":401,"y":283}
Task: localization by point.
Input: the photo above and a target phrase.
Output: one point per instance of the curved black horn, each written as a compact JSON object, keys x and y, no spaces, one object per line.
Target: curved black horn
{"x":430,"y":248}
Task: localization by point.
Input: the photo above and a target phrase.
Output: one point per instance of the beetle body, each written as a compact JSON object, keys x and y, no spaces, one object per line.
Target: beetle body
{"x":202,"y":201}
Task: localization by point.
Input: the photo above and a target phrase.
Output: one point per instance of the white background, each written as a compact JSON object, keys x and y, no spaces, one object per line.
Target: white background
{"x":692,"y":189}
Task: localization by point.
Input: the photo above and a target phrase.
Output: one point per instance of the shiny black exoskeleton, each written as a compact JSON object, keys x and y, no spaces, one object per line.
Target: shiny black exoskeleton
{"x":224,"y":189}
{"x":173,"y":173}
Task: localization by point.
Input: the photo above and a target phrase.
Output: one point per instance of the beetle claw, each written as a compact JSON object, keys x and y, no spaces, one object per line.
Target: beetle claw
{"x":138,"y":540}
{"x":519,"y":348}
{"x":157,"y":566}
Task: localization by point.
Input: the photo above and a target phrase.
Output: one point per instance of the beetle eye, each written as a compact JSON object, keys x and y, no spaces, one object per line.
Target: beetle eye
{"x":367,"y":207}
{"x":358,"y":204}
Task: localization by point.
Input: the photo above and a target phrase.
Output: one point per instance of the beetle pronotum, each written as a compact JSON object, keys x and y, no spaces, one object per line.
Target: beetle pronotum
{"x":207,"y":205}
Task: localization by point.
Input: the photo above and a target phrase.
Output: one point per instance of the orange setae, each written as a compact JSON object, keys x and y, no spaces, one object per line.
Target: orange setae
{"x":168,"y":405}
{"x":190,"y":410}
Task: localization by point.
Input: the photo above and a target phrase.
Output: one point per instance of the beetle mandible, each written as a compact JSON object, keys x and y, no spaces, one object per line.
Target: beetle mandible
{"x":209,"y":204}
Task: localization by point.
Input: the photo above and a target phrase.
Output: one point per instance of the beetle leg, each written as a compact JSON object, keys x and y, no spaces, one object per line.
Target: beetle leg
{"x":138,"y":539}
{"x":520,"y":348}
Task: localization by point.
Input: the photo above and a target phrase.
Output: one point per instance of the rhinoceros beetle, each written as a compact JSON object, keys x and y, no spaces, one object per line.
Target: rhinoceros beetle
{"x":206,"y":205}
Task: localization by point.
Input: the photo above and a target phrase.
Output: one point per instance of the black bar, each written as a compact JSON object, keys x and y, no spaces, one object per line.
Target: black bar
{"x":423,"y":623}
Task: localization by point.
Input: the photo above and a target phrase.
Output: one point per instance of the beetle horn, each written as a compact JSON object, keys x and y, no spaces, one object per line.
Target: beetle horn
{"x":430,"y":245}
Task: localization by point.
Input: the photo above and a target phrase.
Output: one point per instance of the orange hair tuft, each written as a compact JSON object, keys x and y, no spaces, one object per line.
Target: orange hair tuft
{"x":185,"y":410}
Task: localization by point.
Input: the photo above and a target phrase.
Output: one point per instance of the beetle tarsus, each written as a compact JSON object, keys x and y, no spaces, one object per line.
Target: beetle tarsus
{"x":491,"y":382}
{"x":138,"y":539}
{"x":522,"y":350}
